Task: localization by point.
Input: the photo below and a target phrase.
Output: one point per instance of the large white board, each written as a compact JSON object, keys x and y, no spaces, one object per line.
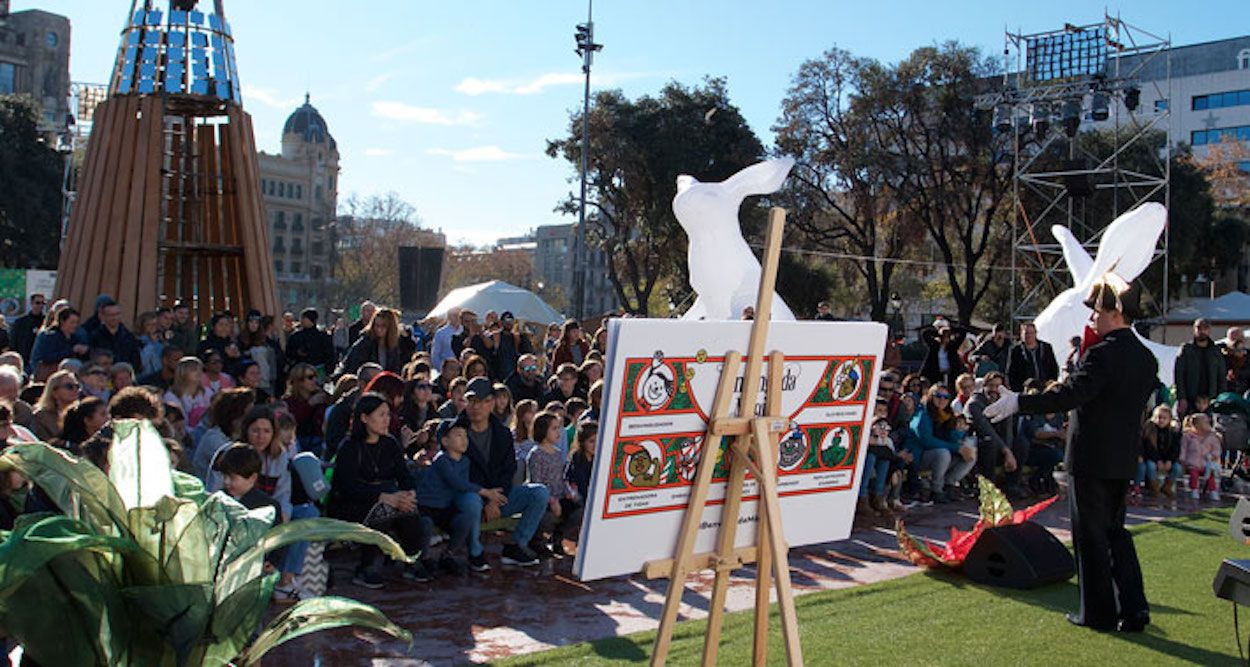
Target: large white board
{"x":661,"y":378}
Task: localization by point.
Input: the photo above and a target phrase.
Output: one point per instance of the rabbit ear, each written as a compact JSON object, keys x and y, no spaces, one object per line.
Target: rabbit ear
{"x":760,"y":178}
{"x":684,"y":181}
{"x":1128,"y":244}
{"x":1079,"y":262}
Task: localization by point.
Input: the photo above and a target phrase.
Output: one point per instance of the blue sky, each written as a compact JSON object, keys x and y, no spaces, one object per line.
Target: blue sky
{"x":450,"y":104}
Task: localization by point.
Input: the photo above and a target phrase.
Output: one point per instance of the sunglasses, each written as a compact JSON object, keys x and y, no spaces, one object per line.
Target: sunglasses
{"x":424,"y":385}
{"x":38,"y":303}
{"x":942,"y":394}
{"x":530,"y":368}
{"x":73,"y":386}
{"x":98,"y":371}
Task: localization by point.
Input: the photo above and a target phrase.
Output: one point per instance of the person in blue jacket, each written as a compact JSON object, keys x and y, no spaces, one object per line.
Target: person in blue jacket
{"x":447,"y":478}
{"x":57,"y":343}
{"x":935,"y":443}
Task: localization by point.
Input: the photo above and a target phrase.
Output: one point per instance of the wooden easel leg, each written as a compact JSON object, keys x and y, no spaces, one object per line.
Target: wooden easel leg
{"x":725,"y":549}
{"x":764,"y":553}
{"x":776,"y":540}
{"x":694,"y":513}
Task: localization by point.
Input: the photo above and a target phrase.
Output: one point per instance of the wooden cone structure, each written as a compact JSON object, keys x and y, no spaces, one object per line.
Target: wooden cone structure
{"x":169,"y":205}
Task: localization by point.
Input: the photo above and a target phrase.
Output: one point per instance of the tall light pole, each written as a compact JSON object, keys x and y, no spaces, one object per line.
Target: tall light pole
{"x":586,"y":47}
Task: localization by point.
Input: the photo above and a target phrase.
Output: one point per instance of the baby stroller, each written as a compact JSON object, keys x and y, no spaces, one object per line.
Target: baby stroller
{"x":1232,"y":422}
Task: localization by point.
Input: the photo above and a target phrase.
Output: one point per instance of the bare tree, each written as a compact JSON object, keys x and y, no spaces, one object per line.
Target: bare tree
{"x":369,"y":232}
{"x":942,"y":161}
{"x":837,"y":193}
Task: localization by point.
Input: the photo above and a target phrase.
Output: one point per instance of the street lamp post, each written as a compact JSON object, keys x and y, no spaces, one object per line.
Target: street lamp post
{"x":586,"y":48}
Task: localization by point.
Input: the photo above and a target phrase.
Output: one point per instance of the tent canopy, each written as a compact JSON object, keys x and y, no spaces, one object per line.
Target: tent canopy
{"x":498,"y":296}
{"x":1232,"y":308}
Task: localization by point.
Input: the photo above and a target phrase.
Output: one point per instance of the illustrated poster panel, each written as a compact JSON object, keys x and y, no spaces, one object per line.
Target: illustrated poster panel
{"x":660,"y":383}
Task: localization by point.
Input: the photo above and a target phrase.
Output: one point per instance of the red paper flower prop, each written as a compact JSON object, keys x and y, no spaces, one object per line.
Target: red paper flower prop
{"x":996,"y":510}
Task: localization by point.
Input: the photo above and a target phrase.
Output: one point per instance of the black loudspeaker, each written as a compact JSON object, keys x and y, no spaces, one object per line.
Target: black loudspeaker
{"x":1023,"y":555}
{"x":420,"y":270}
{"x":1079,"y":185}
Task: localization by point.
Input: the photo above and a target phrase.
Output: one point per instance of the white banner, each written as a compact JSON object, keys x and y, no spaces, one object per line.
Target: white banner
{"x":661,"y":378}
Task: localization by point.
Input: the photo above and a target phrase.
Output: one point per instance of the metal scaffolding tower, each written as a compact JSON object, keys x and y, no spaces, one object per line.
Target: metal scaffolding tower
{"x":1056,"y":84}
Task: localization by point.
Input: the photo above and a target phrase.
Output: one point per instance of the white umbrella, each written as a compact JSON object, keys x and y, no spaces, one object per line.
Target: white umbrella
{"x":498,"y":296}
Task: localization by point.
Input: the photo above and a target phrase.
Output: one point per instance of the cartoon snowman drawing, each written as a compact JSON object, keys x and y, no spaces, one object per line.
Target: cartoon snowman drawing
{"x":655,"y":386}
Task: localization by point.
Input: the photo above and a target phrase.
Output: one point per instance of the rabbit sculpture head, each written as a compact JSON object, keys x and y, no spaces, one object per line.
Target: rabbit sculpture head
{"x":1126,"y":249}
{"x":723,"y":270}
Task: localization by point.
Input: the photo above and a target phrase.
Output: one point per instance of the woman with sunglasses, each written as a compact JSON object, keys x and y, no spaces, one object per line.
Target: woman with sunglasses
{"x":934,"y":444}
{"x":59,"y":393}
{"x":214,"y":379}
{"x":306,"y":402}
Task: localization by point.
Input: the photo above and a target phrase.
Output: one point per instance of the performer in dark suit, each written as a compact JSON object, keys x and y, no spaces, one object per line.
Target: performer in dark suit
{"x":1108,"y":390}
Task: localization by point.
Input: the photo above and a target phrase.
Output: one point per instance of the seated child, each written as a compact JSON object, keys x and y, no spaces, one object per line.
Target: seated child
{"x":1200,"y":453}
{"x":239,"y":466}
{"x":545,"y":465}
{"x":577,"y":475}
{"x":448,"y":477}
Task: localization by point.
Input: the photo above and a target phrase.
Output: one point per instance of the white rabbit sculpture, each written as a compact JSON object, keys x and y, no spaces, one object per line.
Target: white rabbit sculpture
{"x":1126,"y":248}
{"x":724,"y":273}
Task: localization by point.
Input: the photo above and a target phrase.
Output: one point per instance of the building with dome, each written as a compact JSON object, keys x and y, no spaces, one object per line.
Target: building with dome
{"x":300,"y":189}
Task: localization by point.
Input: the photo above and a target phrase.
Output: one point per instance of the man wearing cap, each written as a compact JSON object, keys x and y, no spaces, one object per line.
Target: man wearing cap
{"x":942,"y":362}
{"x":310,"y":345}
{"x":509,"y":346}
{"x":527,"y":382}
{"x":1109,"y":388}
{"x":1199,"y":369}
{"x":492,"y":465}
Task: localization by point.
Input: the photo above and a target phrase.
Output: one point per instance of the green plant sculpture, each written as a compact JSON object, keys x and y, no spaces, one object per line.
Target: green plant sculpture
{"x":142,"y":568}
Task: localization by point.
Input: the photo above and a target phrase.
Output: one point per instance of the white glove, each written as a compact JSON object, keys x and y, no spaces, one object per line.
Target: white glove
{"x":1008,"y":404}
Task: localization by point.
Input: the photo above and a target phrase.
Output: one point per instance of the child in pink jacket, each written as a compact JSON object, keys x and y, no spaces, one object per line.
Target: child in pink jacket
{"x":1200,"y":454}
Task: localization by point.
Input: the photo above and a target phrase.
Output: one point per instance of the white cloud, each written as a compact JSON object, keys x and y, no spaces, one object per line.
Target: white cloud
{"x":477,"y":154}
{"x":412,"y":114}
{"x":270,"y":98}
{"x":475,"y":86}
{"x":378,"y":152}
{"x":378,"y":81}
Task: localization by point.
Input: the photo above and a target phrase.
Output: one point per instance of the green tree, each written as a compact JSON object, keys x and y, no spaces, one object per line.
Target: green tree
{"x":30,"y":197}
{"x":638,"y":148}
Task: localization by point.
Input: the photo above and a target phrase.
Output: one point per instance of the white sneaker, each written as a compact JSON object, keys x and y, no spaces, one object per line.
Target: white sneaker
{"x":1195,"y":494}
{"x":1214,"y":495}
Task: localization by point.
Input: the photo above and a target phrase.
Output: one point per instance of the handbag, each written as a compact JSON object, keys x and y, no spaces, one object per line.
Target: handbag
{"x":382,"y":515}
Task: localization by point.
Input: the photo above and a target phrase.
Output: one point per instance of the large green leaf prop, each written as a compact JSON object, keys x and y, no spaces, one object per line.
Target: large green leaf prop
{"x":143,"y":568}
{"x":319,"y":614}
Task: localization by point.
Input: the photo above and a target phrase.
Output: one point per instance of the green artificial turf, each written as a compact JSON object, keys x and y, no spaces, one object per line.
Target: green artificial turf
{"x":942,"y":619}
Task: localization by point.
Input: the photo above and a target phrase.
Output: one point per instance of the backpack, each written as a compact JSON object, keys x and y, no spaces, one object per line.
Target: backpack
{"x":306,"y":468}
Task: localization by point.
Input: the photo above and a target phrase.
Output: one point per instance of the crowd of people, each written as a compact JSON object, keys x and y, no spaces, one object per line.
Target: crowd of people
{"x":930,"y":436}
{"x":437,"y":433}
{"x":425,"y":435}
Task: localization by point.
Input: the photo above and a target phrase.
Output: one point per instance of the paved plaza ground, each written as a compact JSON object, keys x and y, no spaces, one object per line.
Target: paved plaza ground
{"x":510,"y":612}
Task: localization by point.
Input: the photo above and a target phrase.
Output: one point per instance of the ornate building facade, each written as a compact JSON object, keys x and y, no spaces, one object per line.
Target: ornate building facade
{"x":300,"y":188}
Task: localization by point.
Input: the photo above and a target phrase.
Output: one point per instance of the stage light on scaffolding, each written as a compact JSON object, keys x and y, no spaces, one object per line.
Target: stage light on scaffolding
{"x":1132,"y":98}
{"x":1070,"y":116}
{"x":1039,"y":118}
{"x":1002,"y":118}
{"x":1099,"y":105}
